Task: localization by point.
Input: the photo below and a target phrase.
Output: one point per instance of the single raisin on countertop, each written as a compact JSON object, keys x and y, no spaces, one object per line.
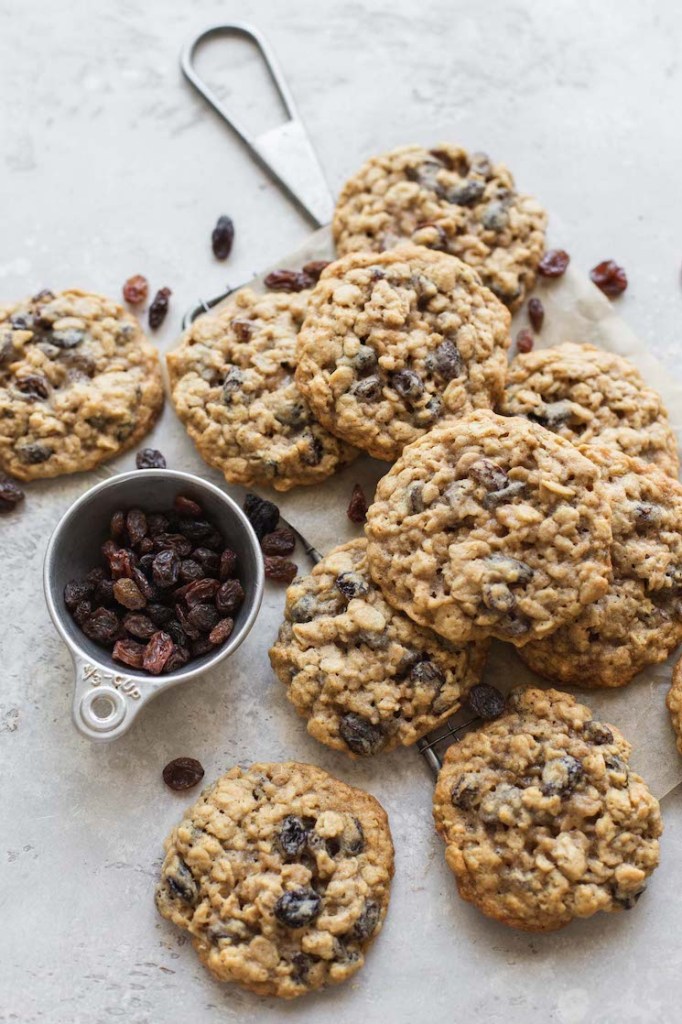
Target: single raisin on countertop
{"x":554,"y":263}
{"x":150,"y":458}
{"x":262,"y":514}
{"x":357,"y":506}
{"x":610,"y":278}
{"x":279,"y":569}
{"x":159,"y":308}
{"x":279,"y":542}
{"x":536,"y":313}
{"x":314,"y":269}
{"x":222,"y":237}
{"x":136,"y":290}
{"x":288,"y":280}
{"x":11,"y":494}
{"x":183,"y":773}
{"x":524,"y":341}
{"x":486,"y":701}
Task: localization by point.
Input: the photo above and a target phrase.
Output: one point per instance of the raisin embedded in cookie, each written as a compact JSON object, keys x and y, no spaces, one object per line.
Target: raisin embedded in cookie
{"x":450,"y":201}
{"x":364,"y":675}
{"x":491,"y":526}
{"x":542,"y":818}
{"x":281,"y":874}
{"x":638,"y":621}
{"x":394,"y":343}
{"x":590,"y":396}
{"x":79,"y":384}
{"x":232,"y":381}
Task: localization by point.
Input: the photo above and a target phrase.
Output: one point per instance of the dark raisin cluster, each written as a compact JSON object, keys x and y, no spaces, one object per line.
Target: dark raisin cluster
{"x":167,"y":592}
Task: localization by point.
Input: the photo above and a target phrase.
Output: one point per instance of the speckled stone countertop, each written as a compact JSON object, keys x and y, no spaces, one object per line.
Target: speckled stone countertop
{"x":111,"y":166}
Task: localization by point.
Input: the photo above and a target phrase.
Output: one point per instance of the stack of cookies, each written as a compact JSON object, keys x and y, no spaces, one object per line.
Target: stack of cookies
{"x":534,"y":503}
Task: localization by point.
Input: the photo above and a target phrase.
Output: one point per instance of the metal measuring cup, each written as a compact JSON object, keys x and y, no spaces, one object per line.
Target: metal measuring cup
{"x":109,"y":696}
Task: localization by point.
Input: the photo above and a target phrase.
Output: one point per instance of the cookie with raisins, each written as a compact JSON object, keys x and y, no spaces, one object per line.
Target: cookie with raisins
{"x":364,"y":675}
{"x":542,"y":817}
{"x":396,"y":342}
{"x":638,"y":621}
{"x":79,"y":384}
{"x":591,"y":396}
{"x":450,"y":201}
{"x":281,"y":874}
{"x":491,"y":526}
{"x":232,"y":384}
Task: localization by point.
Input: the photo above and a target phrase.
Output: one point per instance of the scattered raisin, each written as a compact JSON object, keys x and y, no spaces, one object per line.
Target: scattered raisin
{"x":263,"y":515}
{"x":159,"y":308}
{"x":536,"y":313}
{"x":314,"y":268}
{"x":183,"y":773}
{"x":136,"y":289}
{"x":129,"y":652}
{"x":11,"y":494}
{"x":280,"y":542}
{"x":222,"y":237}
{"x":157,"y":653}
{"x":524,"y":341}
{"x":610,"y":278}
{"x":281,"y":570}
{"x":486,"y":701}
{"x":288,"y":281}
{"x":357,"y":506}
{"x":150,"y":458}
{"x":553,"y":263}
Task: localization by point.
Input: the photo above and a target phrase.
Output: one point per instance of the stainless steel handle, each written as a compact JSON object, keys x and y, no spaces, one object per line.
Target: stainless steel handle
{"x":286,"y":151}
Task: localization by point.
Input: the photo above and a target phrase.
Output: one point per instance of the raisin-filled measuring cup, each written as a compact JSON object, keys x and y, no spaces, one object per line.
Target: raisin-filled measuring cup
{"x":108,"y":695}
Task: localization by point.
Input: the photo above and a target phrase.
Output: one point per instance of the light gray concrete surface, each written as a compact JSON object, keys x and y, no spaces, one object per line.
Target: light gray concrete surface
{"x":110,"y":166}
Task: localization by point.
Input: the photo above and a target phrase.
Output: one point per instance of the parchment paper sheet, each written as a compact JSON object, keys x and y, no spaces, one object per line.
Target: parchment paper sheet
{"x":575,"y":310}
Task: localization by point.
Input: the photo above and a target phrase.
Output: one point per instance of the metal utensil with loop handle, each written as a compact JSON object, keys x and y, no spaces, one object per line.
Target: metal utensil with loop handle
{"x":285,"y":152}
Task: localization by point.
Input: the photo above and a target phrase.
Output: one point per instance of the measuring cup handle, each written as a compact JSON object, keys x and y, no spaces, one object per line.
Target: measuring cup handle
{"x":105,"y":703}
